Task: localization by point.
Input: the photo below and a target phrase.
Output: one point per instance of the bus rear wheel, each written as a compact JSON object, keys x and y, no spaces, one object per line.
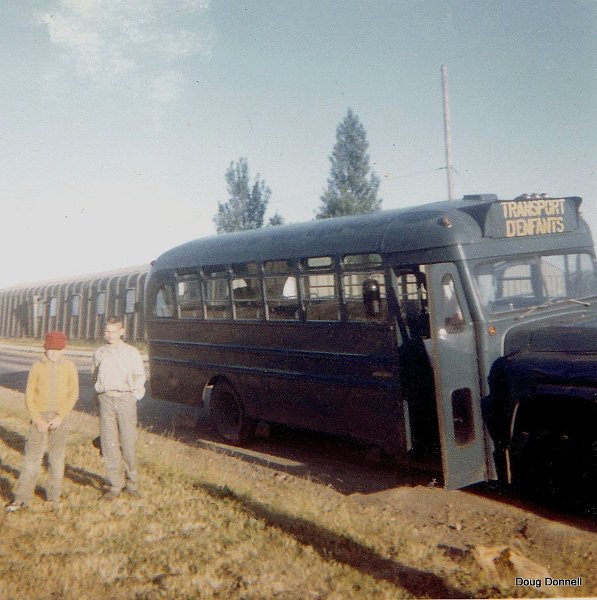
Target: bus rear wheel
{"x":228,"y":415}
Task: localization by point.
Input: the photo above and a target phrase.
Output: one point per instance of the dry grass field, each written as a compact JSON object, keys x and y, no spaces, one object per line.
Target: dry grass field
{"x":209,"y":525}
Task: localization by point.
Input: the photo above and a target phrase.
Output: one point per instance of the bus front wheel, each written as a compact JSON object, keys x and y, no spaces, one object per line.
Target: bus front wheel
{"x":228,"y":415}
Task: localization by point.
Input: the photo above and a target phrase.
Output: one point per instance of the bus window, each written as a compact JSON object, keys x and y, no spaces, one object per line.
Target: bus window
{"x":358,"y":288}
{"x":246,"y":291}
{"x":462,"y":416}
{"x":216,"y":294}
{"x":521,"y":283}
{"x":320,"y":289}
{"x":452,"y":312}
{"x":411,"y":294}
{"x":163,"y":306}
{"x":189,"y":296}
{"x":53,"y":305}
{"x":361,"y":261}
{"x":582,"y":274}
{"x":319,"y":262}
{"x":281,"y":296}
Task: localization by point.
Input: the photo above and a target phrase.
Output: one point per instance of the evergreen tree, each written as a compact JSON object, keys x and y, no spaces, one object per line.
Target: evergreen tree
{"x":275,"y":220}
{"x":350,"y":191}
{"x":245,"y":209}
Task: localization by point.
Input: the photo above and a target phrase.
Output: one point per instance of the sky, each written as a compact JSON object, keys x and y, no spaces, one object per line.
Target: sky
{"x":119,"y":118}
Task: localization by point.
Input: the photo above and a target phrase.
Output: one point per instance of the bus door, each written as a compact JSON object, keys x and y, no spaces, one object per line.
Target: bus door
{"x":456,"y":374}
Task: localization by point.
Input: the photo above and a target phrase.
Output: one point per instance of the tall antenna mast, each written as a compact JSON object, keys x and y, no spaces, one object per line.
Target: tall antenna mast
{"x":447,"y":132}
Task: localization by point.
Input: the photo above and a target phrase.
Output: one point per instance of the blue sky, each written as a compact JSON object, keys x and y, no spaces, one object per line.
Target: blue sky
{"x":119,"y":118}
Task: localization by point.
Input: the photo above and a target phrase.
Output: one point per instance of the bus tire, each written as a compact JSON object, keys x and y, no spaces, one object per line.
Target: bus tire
{"x":556,"y":456}
{"x":228,"y":415}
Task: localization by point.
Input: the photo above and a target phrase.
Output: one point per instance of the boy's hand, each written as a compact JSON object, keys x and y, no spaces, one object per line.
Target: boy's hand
{"x":42,"y":426}
{"x":54,"y":423}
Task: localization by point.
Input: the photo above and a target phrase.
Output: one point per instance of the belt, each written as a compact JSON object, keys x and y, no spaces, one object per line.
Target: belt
{"x":116,"y":393}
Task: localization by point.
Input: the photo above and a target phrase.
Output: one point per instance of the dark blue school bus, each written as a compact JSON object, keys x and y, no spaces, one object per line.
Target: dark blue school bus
{"x":459,"y":336}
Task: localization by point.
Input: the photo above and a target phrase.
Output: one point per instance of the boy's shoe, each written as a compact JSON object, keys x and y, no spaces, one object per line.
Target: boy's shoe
{"x":109,"y":496}
{"x":133,"y":493}
{"x":11,"y":508}
{"x":97,"y":444}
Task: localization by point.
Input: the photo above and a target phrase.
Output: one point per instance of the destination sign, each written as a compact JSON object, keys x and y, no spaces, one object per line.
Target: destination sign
{"x":532,"y":217}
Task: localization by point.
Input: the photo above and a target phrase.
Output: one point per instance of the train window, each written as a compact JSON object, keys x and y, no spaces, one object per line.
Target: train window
{"x":100,"y":303}
{"x":365,"y":296}
{"x":75,"y":305}
{"x":129,"y":302}
{"x":53,"y":305}
{"x":163,"y":306}
{"x":39,"y":307}
{"x":188,"y":289}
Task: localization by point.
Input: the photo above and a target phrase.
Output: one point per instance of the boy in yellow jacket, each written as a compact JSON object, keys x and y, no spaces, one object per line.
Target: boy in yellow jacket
{"x":52,"y":390}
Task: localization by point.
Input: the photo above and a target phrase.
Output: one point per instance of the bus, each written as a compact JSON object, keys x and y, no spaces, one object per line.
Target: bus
{"x":458,"y":336}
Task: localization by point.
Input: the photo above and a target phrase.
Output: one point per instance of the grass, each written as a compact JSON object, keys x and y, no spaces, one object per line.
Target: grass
{"x":210,"y":526}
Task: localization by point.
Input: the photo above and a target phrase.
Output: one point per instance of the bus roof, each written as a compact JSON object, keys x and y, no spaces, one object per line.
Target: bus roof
{"x":475,"y":219}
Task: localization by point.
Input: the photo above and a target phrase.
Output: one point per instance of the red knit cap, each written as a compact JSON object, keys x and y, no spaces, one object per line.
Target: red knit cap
{"x":55,"y":340}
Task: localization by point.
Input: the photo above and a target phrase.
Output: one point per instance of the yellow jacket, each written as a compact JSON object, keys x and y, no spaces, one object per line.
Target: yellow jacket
{"x":51,"y":386}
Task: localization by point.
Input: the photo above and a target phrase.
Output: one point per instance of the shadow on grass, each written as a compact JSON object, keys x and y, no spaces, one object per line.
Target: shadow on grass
{"x":16,"y":441}
{"x":5,"y":484}
{"x":340,"y":548}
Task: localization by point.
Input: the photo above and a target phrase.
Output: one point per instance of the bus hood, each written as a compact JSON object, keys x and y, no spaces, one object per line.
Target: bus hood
{"x":564,"y":355}
{"x":578,"y":335}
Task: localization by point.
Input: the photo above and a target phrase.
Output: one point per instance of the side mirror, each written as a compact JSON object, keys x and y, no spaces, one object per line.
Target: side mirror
{"x":371,"y":297}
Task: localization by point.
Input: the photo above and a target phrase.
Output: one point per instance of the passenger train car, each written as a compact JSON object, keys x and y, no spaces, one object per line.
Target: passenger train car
{"x":76,"y":305}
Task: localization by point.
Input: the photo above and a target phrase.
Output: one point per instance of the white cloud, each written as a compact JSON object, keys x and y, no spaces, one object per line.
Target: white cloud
{"x":109,"y":41}
{"x":165,"y":88}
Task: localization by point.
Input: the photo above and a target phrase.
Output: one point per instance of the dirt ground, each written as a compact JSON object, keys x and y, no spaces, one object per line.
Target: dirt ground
{"x":483,"y":528}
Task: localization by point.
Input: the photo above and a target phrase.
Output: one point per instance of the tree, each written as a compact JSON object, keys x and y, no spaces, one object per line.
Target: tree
{"x":275,"y":220}
{"x":245,"y":209}
{"x":349,"y":190}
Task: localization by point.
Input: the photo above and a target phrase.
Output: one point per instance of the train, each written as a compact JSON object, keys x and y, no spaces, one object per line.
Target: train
{"x":77,"y":305}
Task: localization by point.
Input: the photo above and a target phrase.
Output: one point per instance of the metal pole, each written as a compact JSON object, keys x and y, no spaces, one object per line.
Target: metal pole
{"x":447,"y":132}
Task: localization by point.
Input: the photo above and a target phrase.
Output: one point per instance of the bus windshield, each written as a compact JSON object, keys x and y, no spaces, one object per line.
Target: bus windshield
{"x":520,"y":283}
